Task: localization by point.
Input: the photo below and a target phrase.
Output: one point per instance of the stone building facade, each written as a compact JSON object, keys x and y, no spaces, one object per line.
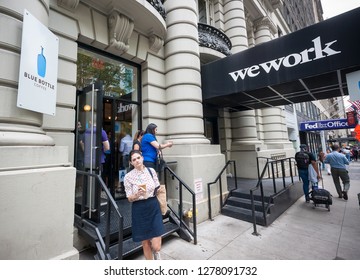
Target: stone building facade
{"x":164,"y":43}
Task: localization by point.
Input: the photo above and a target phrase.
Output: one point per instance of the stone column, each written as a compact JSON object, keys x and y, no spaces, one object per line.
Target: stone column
{"x":36,"y":178}
{"x":195,"y":158}
{"x":235,"y":24}
{"x":18,"y":127}
{"x":271,"y":121}
{"x":183,"y":78}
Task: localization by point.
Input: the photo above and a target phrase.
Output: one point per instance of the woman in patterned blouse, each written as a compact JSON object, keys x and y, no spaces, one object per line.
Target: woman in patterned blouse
{"x":141,"y":185}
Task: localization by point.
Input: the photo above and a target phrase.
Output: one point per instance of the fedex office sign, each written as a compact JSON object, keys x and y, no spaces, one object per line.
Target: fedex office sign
{"x":325,"y":125}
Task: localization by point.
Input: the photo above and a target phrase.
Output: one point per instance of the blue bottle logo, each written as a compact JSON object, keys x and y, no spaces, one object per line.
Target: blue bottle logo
{"x":41,"y":63}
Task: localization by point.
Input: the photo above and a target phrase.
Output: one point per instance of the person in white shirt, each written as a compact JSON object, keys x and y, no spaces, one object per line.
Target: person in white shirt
{"x":125,"y":149}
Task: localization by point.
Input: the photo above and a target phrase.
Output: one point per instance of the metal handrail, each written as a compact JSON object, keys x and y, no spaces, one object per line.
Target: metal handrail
{"x":220,"y":185}
{"x":260,"y":186}
{"x":104,"y":247}
{"x":179,"y":215}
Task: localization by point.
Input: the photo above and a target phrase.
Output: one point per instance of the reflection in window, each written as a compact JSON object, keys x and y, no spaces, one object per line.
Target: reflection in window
{"x":119,"y":79}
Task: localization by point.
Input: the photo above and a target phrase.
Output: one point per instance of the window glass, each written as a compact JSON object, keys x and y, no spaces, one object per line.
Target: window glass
{"x":119,"y":78}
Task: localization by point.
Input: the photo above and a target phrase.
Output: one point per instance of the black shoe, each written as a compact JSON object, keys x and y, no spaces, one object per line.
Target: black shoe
{"x":345,"y":196}
{"x":166,"y":215}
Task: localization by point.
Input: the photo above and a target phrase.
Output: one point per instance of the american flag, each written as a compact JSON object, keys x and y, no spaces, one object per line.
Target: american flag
{"x":355,"y":104}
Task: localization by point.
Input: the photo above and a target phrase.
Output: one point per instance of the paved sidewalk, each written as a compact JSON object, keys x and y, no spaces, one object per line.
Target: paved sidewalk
{"x":301,"y":233}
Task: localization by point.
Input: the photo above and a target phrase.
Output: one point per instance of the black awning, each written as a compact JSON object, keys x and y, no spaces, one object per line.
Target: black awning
{"x":310,"y":64}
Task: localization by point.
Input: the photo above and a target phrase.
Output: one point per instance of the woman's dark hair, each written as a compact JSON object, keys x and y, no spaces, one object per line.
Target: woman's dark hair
{"x":151,"y":128}
{"x":139,"y":133}
{"x":133,"y":152}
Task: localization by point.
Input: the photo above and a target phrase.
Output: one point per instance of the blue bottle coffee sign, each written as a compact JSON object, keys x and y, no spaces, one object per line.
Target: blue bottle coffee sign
{"x":38,"y":72}
{"x":41,"y":63}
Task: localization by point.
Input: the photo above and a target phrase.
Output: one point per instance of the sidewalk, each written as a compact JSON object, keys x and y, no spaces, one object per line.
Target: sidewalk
{"x":301,"y":233}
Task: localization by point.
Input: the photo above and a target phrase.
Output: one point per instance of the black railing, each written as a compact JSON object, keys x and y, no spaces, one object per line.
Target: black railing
{"x":269,"y":166}
{"x":218,"y":178}
{"x":159,"y":6}
{"x":103,"y":247}
{"x":213,"y":38}
{"x":179,"y":214}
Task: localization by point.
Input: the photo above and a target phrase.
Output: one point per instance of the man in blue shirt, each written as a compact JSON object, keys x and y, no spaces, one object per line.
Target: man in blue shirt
{"x":125,"y":149}
{"x":337,"y":161}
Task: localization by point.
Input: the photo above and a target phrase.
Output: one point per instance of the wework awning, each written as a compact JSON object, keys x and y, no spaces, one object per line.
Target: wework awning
{"x":309,"y":64}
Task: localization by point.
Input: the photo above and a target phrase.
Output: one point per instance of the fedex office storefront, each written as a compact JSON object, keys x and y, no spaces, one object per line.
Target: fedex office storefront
{"x":312,"y":132}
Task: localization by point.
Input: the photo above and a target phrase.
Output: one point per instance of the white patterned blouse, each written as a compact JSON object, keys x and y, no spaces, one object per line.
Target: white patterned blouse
{"x":135,"y":178}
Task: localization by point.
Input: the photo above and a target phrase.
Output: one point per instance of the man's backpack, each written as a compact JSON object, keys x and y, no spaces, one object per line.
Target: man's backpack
{"x":302,"y":160}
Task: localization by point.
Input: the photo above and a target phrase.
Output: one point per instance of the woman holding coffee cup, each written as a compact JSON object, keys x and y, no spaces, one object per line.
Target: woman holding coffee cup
{"x":147,"y":223}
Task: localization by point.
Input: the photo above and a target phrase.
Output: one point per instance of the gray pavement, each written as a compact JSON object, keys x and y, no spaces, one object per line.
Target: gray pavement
{"x":301,"y":233}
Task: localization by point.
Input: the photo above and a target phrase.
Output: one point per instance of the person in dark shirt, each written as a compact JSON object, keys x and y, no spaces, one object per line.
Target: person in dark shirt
{"x":303,"y":160}
{"x":137,"y":140}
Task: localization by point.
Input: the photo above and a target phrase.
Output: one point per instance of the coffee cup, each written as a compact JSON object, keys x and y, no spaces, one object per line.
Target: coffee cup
{"x":143,"y":187}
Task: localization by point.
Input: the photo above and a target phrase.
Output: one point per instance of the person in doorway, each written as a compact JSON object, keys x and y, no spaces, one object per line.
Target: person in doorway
{"x":137,"y":140}
{"x":303,"y":160}
{"x":80,"y":147}
{"x":88,"y":148}
{"x":150,"y":146}
{"x":338,"y":162}
{"x":125,"y":148}
{"x":141,"y":185}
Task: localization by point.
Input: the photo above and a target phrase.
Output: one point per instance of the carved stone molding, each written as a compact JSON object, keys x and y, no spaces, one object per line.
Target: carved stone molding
{"x":276,"y":4}
{"x":265,"y":21}
{"x":68,"y":4}
{"x":120,"y":30}
{"x":155,"y":43}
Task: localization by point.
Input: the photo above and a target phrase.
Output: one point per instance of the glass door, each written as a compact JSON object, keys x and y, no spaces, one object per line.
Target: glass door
{"x":118,"y":122}
{"x":90,"y":148}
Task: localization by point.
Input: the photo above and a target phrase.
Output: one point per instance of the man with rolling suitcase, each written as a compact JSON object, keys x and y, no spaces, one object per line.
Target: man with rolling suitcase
{"x":303,"y":159}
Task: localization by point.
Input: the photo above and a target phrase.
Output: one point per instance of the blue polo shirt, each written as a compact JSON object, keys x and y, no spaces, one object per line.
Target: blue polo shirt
{"x":336,"y":160}
{"x":148,"y":151}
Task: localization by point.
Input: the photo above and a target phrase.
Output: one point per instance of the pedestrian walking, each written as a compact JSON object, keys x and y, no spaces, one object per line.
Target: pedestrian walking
{"x":338,"y":162}
{"x":141,"y":185}
{"x":304,"y":159}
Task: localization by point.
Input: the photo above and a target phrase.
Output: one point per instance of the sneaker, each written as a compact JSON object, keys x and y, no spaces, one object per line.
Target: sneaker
{"x":157,"y":256}
{"x":345,"y":196}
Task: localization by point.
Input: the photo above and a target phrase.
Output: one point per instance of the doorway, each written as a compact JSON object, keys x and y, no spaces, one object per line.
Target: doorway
{"x":118,"y":123}
{"x":113,"y":85}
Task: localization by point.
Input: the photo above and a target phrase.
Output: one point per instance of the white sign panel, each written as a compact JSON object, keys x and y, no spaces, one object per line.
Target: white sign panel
{"x":38,"y":67}
{"x":198,"y":189}
{"x":353,"y":83}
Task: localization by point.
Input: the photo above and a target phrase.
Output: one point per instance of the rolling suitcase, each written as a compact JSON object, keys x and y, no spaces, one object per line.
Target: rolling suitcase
{"x":320,"y":196}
